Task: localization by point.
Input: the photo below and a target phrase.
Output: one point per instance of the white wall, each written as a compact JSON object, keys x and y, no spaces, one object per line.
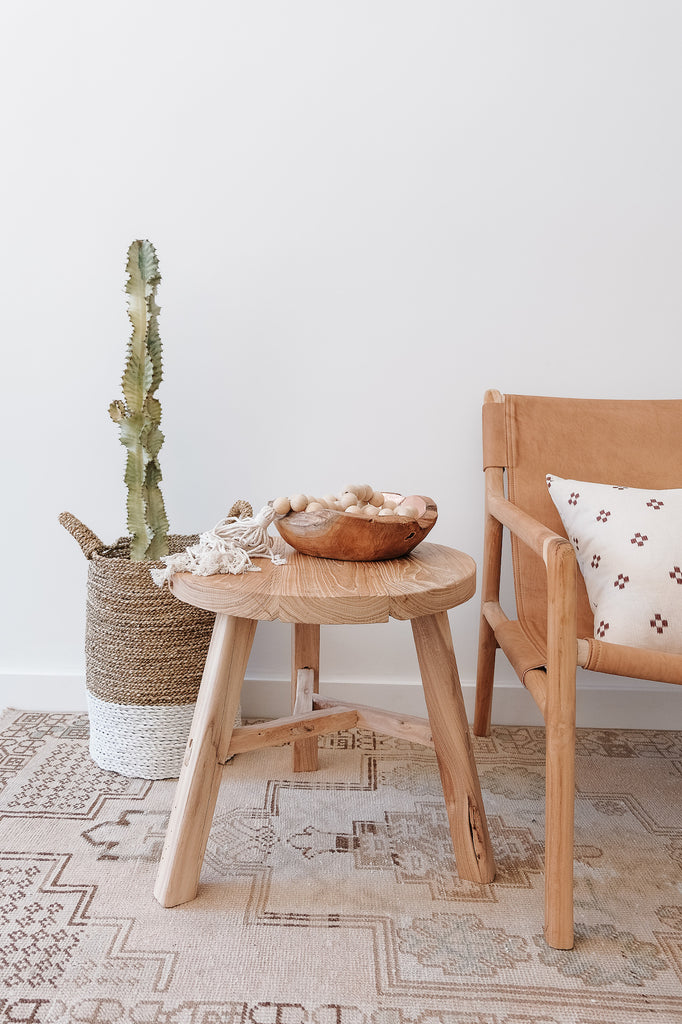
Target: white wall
{"x":366,"y":214}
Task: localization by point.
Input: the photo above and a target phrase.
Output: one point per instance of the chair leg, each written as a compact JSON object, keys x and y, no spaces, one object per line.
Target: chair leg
{"x":485,"y":674}
{"x":487,"y":645}
{"x":560,"y":746}
{"x":559,"y":819}
{"x":305,"y":653}
{"x":209,"y":739}
{"x":450,"y":731}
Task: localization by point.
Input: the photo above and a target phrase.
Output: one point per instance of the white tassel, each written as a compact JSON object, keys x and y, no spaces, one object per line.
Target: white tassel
{"x":227,"y":548}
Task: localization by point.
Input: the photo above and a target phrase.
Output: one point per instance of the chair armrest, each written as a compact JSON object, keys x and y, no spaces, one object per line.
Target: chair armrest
{"x":538,"y":537}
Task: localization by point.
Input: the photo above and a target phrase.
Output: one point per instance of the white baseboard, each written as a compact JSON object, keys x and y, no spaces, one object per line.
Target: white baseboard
{"x":42,"y":692}
{"x":603,"y":701}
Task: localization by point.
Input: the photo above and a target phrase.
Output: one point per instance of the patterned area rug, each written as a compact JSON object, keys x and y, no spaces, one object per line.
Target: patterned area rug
{"x":333,"y":898}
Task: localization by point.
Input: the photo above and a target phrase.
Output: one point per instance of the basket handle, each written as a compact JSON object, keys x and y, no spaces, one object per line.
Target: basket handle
{"x":89,"y":542}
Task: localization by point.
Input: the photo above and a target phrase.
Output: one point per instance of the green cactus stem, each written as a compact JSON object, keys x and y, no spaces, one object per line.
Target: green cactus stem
{"x":139,"y":415}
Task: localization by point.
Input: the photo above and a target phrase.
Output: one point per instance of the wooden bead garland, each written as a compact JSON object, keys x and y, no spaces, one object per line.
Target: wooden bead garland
{"x":356,"y":499}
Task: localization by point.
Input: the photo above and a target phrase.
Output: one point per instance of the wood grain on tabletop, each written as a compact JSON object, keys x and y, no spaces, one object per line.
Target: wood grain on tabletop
{"x":430,"y":579}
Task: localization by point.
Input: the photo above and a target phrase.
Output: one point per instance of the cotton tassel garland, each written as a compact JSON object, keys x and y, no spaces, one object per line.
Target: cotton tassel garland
{"x":227,"y":548}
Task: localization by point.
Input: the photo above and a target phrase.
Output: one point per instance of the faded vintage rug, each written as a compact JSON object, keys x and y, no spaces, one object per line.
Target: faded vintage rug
{"x":333,"y":898}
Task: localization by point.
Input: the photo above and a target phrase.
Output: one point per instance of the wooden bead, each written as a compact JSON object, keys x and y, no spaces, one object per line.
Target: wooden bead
{"x":353,"y":509}
{"x":366,"y":491}
{"x":348,"y":498}
{"x":377,"y":499}
{"x":299,"y":502}
{"x":409,"y":511}
{"x":389,"y":503}
{"x":281,"y":506}
{"x":386,"y":512}
{"x":314,"y":506}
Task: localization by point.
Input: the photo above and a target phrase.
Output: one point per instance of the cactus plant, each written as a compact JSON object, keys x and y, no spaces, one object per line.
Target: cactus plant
{"x":139,"y":415}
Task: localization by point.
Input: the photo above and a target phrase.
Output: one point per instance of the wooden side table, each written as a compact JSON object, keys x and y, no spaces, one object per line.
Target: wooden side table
{"x":309,"y":591}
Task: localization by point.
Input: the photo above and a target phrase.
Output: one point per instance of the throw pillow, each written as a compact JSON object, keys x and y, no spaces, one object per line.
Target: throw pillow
{"x":628,"y":543}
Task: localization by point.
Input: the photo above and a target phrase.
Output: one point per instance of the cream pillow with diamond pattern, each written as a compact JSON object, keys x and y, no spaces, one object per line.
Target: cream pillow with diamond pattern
{"x":628,"y":543}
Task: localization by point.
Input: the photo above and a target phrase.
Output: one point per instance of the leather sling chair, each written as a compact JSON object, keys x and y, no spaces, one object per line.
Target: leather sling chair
{"x":632,"y":443}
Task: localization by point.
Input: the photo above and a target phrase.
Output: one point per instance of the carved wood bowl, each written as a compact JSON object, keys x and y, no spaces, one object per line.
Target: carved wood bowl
{"x":351,"y":537}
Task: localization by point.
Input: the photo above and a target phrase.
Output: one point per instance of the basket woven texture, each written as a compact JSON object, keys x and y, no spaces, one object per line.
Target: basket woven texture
{"x":144,"y":653}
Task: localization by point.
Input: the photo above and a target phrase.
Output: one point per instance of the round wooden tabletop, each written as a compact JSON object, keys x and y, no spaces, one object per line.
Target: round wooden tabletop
{"x":431,"y":579}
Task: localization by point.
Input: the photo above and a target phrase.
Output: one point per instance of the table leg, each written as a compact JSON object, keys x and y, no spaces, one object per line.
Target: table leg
{"x":305,"y":653}
{"x":452,"y":742}
{"x":197,"y":790}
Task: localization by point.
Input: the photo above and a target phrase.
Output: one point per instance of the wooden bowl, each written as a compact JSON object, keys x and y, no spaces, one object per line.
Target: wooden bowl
{"x":357,"y":538}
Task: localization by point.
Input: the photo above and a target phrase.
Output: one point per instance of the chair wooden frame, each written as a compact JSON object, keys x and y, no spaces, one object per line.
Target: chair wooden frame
{"x":551,"y":678}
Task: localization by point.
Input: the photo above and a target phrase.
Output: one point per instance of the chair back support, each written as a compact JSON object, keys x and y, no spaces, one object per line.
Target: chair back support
{"x":635,"y":443}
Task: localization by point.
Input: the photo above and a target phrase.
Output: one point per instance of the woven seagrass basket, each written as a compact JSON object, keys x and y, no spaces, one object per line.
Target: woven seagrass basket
{"x":144,"y":658}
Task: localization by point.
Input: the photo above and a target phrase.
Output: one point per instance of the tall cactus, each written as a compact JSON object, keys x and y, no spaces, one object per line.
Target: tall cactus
{"x":139,"y":415}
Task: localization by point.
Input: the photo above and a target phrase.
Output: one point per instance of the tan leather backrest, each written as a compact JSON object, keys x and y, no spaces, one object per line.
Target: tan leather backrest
{"x":635,"y":443}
